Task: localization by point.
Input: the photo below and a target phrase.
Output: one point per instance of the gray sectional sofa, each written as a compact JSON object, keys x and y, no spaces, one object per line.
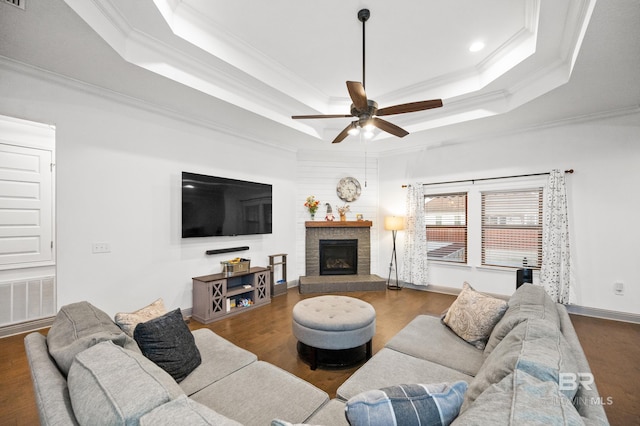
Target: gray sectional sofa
{"x":520,"y":377}
{"x":109,"y":381}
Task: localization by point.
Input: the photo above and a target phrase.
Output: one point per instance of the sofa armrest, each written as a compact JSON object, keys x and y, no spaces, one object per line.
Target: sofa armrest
{"x":49,"y":385}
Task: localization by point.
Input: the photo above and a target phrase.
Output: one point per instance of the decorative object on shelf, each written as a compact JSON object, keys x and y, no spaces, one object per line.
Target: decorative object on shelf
{"x":393,"y":224}
{"x":235,"y":266}
{"x":312,"y":205}
{"x":343,"y":212}
{"x":348,"y":189}
{"x":359,"y":217}
{"x":329,"y":217}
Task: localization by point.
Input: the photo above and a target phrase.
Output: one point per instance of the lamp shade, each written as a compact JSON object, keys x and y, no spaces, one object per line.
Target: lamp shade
{"x":394,"y":223}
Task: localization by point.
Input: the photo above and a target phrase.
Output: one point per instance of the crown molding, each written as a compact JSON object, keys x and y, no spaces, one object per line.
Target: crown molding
{"x":20,"y":68}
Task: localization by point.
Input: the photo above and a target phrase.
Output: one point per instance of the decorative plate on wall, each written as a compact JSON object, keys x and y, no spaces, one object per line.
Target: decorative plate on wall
{"x":348,"y":189}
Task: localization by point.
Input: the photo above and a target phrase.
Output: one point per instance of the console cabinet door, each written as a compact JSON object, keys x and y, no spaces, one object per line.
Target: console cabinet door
{"x":218,"y":298}
{"x":262,"y":287}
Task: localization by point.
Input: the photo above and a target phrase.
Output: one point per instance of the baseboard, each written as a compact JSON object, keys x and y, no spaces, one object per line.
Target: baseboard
{"x":26,"y":327}
{"x":603,"y":314}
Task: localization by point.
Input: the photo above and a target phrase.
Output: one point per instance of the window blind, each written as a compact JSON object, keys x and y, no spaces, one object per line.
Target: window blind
{"x":512,"y":228}
{"x":446,"y":219}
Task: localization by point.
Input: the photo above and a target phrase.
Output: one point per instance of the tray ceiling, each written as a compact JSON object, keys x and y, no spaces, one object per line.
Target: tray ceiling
{"x":286,"y":57}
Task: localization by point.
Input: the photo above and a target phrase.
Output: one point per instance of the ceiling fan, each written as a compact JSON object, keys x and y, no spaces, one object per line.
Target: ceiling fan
{"x":366,"y":110}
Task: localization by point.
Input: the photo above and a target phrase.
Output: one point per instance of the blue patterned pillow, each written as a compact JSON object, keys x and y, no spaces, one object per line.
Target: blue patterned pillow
{"x":413,"y":404}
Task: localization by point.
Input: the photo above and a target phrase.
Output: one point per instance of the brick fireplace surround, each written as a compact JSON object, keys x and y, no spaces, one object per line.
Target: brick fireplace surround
{"x":313,"y":282}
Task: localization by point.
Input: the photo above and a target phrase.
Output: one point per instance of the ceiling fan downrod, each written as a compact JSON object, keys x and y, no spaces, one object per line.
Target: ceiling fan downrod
{"x":363,"y":16}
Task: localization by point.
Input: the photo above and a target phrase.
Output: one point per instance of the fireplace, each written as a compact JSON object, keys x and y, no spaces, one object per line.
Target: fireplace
{"x":339,"y":257}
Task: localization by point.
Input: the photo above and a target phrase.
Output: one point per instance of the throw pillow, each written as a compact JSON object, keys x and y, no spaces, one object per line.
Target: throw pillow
{"x":79,"y":326}
{"x":168,"y":342}
{"x":433,"y":404}
{"x":109,"y":385}
{"x":473,"y":315}
{"x":129,"y":320}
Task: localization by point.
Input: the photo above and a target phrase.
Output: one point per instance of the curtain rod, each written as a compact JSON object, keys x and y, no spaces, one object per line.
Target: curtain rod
{"x":491,"y":178}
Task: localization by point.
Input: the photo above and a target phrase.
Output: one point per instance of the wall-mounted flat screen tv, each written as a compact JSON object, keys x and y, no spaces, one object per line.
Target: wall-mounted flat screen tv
{"x":217,"y":206}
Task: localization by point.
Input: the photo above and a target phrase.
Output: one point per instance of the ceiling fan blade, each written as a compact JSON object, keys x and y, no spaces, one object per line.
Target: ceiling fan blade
{"x":302,"y":117}
{"x":343,"y":134}
{"x":358,"y":95}
{"x":389,"y":127}
{"x":410,"y":107}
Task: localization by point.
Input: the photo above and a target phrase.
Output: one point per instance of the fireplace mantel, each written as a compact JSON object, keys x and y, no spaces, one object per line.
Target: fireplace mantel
{"x":339,"y":224}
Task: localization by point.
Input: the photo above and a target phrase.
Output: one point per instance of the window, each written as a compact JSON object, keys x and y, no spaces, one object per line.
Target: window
{"x":512,"y":228}
{"x":446,"y":217}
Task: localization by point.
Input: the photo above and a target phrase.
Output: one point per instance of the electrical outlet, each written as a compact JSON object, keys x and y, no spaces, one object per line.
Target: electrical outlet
{"x":618,"y":288}
{"x":100,"y":248}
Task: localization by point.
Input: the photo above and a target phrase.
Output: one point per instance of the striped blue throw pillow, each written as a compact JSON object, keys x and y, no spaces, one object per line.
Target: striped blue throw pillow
{"x":406,"y":405}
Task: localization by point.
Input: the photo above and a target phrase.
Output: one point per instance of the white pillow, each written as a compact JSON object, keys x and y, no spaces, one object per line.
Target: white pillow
{"x":129,"y":320}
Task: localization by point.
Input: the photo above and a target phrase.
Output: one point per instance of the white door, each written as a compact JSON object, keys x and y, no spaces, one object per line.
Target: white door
{"x":26,"y":216}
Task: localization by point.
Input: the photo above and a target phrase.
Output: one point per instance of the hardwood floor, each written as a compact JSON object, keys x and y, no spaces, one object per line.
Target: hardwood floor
{"x":612,"y":348}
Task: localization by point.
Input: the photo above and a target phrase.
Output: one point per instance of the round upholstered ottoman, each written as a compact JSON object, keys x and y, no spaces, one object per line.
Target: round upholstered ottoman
{"x":333,"y":329}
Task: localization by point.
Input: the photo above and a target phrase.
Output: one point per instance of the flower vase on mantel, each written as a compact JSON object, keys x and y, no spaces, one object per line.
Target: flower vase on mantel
{"x":312,"y":205}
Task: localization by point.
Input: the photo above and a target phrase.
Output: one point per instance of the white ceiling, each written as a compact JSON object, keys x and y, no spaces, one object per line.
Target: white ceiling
{"x":544,"y":60}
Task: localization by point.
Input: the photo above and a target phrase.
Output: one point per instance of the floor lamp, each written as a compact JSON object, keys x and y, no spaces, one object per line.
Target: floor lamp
{"x":393,"y":224}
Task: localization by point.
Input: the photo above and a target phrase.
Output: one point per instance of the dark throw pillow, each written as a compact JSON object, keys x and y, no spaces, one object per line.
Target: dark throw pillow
{"x":168,"y":342}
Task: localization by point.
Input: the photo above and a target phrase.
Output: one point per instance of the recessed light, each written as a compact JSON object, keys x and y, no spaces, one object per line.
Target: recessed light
{"x":476,"y":46}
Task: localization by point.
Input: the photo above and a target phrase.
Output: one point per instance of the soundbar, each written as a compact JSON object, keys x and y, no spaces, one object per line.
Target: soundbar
{"x":227,"y":250}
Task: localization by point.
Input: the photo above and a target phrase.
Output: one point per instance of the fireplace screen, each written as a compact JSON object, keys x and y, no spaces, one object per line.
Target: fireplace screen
{"x":338,"y":257}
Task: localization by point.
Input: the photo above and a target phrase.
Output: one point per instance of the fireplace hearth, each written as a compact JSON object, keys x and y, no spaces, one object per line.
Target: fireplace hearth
{"x":338,"y":257}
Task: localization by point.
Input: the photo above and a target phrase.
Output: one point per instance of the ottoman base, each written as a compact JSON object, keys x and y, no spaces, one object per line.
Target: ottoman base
{"x":334,"y":358}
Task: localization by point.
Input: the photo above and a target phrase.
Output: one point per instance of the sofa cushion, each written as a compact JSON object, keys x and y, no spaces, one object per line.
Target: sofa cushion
{"x":473,"y":315}
{"x":534,"y":346}
{"x":261,"y":392}
{"x":110,"y":385}
{"x":389,"y":367}
{"x":427,"y":338}
{"x":168,"y":342}
{"x":127,"y":321}
{"x":519,"y":399}
{"x":79,"y":326}
{"x":219,"y":357}
{"x":529,"y":301}
{"x":432,"y":404}
{"x":184,"y":411}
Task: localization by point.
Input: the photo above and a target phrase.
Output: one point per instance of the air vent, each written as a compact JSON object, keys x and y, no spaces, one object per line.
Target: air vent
{"x":16,"y":3}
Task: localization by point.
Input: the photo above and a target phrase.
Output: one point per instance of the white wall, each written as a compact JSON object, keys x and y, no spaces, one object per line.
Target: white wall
{"x":606,"y":157}
{"x":318,"y":174}
{"x":118,"y":181}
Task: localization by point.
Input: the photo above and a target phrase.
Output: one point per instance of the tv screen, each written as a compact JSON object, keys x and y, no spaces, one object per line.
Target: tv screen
{"x":217,"y":206}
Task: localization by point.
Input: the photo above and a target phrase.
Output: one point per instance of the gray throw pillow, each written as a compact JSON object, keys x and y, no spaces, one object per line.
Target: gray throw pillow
{"x":109,"y":385}
{"x":168,"y":342}
{"x":433,"y":404}
{"x":79,"y":326}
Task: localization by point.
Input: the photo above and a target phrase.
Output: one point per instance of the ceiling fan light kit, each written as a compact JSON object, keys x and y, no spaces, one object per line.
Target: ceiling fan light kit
{"x":366,"y":110}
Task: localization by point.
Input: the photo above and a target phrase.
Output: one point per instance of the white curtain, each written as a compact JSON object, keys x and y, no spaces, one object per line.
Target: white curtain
{"x":414,"y":264}
{"x":555,"y":273}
